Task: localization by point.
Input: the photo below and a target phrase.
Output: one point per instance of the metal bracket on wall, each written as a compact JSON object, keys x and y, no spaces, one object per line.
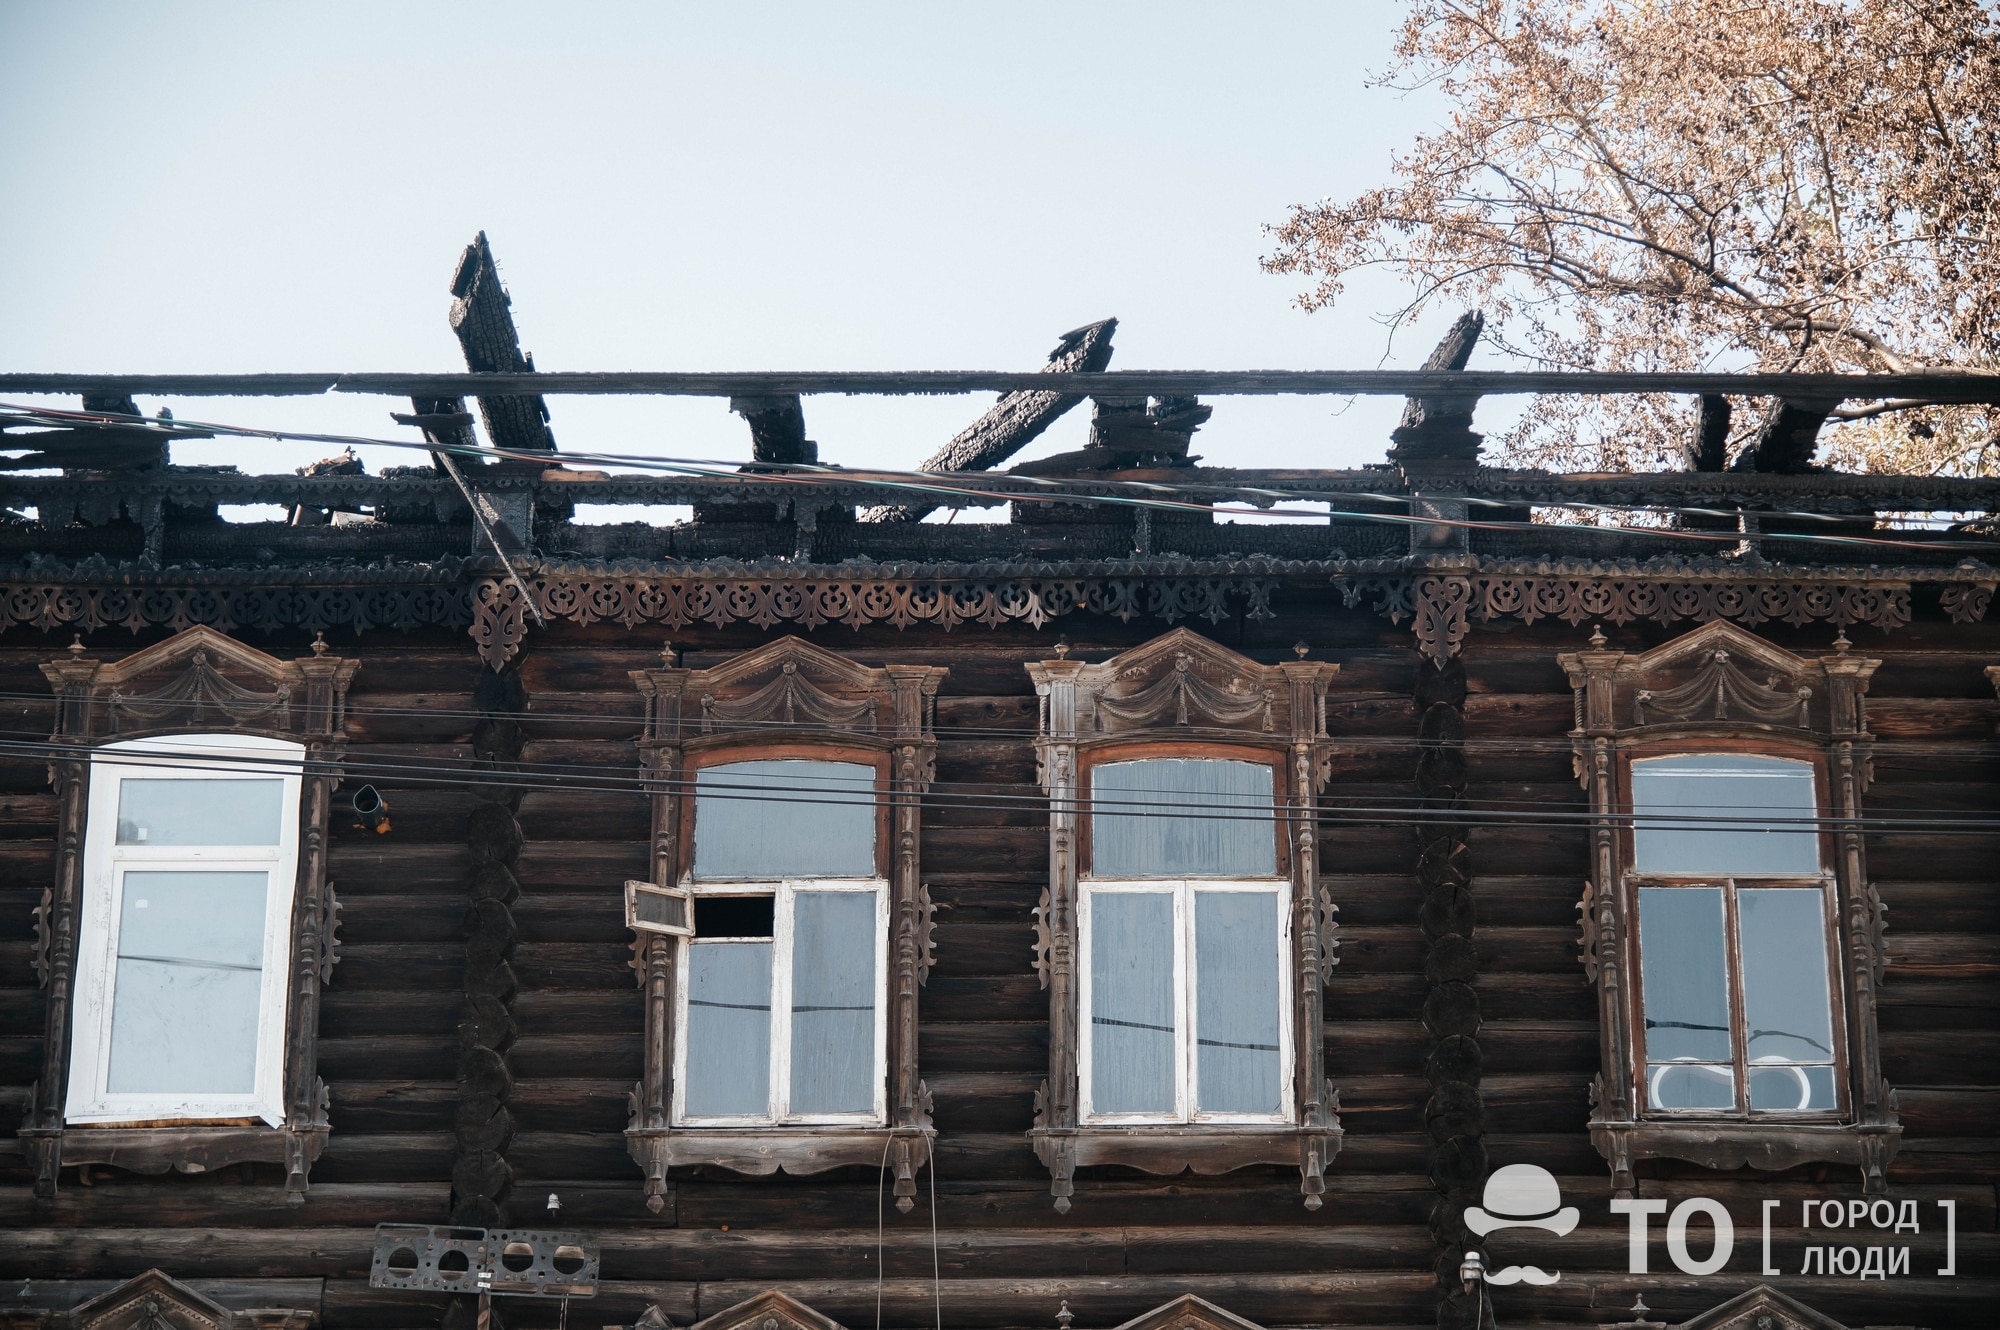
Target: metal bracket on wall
{"x":510,"y":1261}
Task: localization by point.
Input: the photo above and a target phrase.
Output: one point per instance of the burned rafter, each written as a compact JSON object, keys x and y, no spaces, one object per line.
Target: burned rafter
{"x":129,"y":443}
{"x":481,"y":317}
{"x":777,"y":429}
{"x":1439,"y":428}
{"x":1016,"y":420}
{"x":1711,"y":434}
{"x":1130,"y":434}
{"x":1788,"y":437}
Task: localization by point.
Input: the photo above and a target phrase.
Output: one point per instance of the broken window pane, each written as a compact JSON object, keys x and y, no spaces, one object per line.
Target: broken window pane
{"x":1133,"y":1044}
{"x":1698,"y":814}
{"x":784,"y":818}
{"x":189,"y":979}
{"x":1237,"y":1056}
{"x":1182,"y":817}
{"x":833,"y":1002}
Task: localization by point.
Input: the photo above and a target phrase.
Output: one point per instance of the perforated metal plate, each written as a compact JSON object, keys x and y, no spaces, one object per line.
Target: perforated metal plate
{"x":517,"y":1262}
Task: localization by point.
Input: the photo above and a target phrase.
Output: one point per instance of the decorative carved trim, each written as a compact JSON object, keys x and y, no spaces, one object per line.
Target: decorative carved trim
{"x":1440,"y":624}
{"x":154,"y":1301}
{"x":1697,"y":686}
{"x":1177,"y":686}
{"x":196,"y":681}
{"x":772,"y":1310}
{"x":499,"y":610}
{"x":1188,"y":1312}
{"x":789,"y":690}
{"x":1760,"y":1308}
{"x":1577,"y":600}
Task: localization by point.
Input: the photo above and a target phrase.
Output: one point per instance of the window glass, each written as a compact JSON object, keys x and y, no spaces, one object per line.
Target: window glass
{"x":1148,"y":818}
{"x":1237,"y":1057}
{"x":1673,"y":799}
{"x":729,"y":1029}
{"x":784,"y":818}
{"x":188,"y":981}
{"x":1786,"y":1007}
{"x":199,"y":812}
{"x":1686,"y":997}
{"x":833,"y":1002}
{"x":1133,"y":1046}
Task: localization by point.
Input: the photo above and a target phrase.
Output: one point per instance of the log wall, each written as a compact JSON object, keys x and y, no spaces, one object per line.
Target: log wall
{"x":482,"y":1030}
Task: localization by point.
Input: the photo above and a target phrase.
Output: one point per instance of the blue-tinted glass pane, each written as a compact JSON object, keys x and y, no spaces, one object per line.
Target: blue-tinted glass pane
{"x":1182,"y":817}
{"x":1237,"y":1057}
{"x":1686,"y":989}
{"x":1786,"y":1003}
{"x":729,"y":1030}
{"x":784,"y":818}
{"x":1133,"y":1045}
{"x":189,"y":983}
{"x":834,"y":991}
{"x":1700,"y":814}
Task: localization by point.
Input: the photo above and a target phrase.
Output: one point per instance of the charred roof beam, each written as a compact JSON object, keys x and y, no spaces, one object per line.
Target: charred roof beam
{"x":482,"y":318}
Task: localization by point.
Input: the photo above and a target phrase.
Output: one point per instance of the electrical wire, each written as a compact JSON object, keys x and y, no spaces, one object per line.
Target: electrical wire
{"x":932,"y":485}
{"x":1406,"y":814}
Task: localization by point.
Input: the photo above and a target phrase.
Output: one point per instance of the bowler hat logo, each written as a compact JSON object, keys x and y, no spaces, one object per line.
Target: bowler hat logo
{"x":1522,"y":1196}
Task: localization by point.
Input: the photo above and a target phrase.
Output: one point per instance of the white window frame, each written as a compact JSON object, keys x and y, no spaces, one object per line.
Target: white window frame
{"x":1186,"y":999}
{"x":785,"y":892}
{"x":105,"y":863}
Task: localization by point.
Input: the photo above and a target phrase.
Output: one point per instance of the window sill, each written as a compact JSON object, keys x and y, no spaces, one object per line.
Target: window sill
{"x":1205,"y":1147}
{"x":1767,"y":1145}
{"x":761,"y":1151}
{"x":181,"y":1149}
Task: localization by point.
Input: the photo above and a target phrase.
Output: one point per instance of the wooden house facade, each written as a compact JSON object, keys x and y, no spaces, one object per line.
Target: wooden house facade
{"x":1168,"y":922}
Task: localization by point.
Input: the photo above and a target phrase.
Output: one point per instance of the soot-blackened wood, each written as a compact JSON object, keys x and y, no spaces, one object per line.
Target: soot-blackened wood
{"x":777,"y":429}
{"x":481,"y":317}
{"x":1711,"y":435}
{"x":1016,"y":420}
{"x":1788,"y":438}
{"x":482,"y":1124}
{"x":1439,"y":428}
{"x":1454,"y":1116}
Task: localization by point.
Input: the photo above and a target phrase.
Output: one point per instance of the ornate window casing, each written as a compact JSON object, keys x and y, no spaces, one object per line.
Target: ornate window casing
{"x":241,"y":708}
{"x":1181,"y":699}
{"x":787,"y":714}
{"x":1717,"y":711}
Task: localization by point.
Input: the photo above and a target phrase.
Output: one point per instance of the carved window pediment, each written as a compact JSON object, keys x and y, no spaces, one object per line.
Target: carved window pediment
{"x":198,"y":682}
{"x":1759,"y":1308}
{"x":1189,"y":1312}
{"x":1726,"y":777}
{"x":785,"y":702}
{"x":155,"y":1301}
{"x":1183,"y":681}
{"x":771,"y":1310}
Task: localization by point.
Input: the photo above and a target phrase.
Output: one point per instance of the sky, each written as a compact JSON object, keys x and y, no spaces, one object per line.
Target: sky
{"x":223,"y":188}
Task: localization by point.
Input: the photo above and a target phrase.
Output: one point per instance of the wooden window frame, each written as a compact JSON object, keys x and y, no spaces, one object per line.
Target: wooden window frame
{"x":1717,"y":690}
{"x":197,"y":683}
{"x":105,"y":865}
{"x":788,"y":699}
{"x":1182,"y":695}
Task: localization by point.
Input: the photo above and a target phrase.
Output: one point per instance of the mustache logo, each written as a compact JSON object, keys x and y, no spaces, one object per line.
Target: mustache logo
{"x":1523,"y":1274}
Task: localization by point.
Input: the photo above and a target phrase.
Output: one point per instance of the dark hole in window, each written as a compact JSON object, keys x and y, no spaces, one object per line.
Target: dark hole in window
{"x":402,"y":1259}
{"x":517,"y":1256}
{"x":453,"y":1264}
{"x":568,"y":1260}
{"x":734,"y":916}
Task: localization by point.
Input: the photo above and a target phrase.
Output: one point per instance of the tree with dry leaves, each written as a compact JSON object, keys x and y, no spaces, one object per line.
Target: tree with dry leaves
{"x":1808,"y":185}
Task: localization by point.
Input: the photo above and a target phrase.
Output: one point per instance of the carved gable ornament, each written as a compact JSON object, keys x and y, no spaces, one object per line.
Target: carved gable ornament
{"x":1759,"y":1308}
{"x":1182,"y":680}
{"x":1189,"y":1312}
{"x":200,"y":679}
{"x":1718,"y":675}
{"x":155,"y":1301}
{"x":770,"y":1310}
{"x":789,"y":684}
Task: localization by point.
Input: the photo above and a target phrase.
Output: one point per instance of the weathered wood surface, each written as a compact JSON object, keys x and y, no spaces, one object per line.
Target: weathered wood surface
{"x":391,"y":1048}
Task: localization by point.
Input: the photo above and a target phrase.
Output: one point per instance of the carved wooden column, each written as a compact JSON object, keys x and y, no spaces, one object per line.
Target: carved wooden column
{"x":1055,"y":750}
